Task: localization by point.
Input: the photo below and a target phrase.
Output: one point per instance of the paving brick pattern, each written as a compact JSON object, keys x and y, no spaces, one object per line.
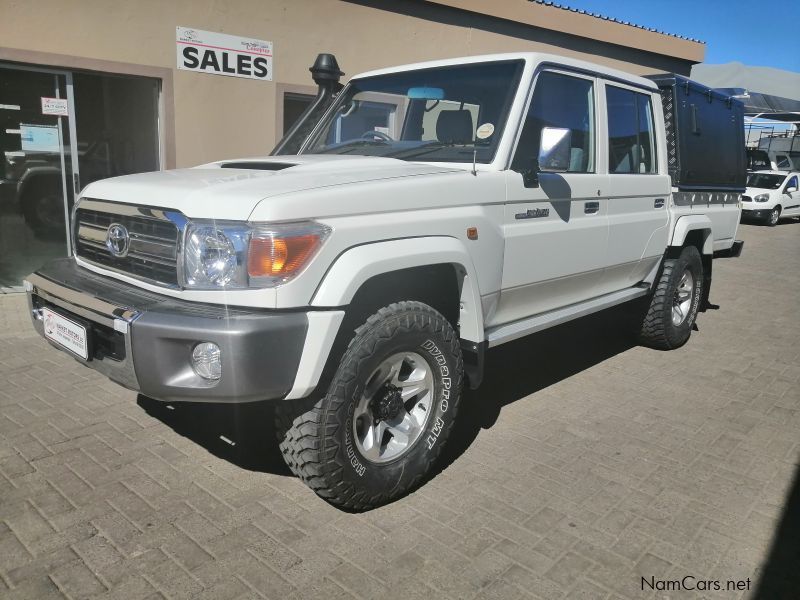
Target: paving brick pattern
{"x":584,"y":464}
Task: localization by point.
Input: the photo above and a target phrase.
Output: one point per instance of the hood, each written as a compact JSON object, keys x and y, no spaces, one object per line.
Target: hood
{"x":231,"y":189}
{"x":754,"y":191}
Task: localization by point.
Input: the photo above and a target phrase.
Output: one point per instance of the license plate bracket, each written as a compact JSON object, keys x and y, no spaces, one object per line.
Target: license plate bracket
{"x":66,"y":333}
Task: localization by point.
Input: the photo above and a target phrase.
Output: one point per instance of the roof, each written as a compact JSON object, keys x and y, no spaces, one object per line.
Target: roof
{"x":530,"y":57}
{"x":614,"y":20}
{"x":570,"y":21}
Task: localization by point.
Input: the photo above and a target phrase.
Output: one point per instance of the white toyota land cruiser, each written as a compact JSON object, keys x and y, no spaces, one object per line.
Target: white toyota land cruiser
{"x":416,"y":217}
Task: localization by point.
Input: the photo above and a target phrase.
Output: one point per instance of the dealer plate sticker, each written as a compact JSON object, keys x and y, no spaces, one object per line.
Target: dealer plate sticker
{"x":65,"y":333}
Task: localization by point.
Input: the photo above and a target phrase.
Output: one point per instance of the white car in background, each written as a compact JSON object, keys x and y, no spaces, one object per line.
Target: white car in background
{"x":771,"y":196}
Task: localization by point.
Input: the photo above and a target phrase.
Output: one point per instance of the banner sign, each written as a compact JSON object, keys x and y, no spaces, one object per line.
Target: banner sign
{"x":223,"y":54}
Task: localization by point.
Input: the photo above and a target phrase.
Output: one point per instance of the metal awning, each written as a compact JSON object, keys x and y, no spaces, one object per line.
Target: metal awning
{"x":765,"y":92}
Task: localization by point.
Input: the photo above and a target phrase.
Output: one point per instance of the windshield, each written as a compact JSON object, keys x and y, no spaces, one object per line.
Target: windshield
{"x":765,"y":181}
{"x":443,"y":114}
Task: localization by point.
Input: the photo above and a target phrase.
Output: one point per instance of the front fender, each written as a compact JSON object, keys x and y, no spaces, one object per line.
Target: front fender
{"x":357,"y":265}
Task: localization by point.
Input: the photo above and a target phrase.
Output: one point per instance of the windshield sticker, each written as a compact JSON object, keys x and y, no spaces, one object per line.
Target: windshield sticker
{"x":484,"y":131}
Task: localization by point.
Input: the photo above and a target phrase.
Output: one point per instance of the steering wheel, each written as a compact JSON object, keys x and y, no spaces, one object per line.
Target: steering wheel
{"x":377,"y":134}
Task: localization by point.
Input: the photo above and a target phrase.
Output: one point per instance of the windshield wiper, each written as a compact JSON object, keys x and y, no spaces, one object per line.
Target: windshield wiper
{"x":427,"y":148}
{"x":345,"y":147}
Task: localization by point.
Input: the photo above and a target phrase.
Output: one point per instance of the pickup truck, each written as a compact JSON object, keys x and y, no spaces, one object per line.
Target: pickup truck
{"x":425,"y":214}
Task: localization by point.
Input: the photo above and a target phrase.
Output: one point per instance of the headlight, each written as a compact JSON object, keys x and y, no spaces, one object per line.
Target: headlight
{"x":214,"y":255}
{"x":761,"y":198}
{"x":220,"y":255}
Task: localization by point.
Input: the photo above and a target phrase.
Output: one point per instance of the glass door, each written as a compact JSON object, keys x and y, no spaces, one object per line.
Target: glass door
{"x":38,"y":176}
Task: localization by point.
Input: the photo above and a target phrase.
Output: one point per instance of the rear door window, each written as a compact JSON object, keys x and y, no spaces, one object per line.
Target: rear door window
{"x":631,"y":137}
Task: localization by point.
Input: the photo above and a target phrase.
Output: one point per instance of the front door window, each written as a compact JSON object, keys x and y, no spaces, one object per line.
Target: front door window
{"x":560,"y":101}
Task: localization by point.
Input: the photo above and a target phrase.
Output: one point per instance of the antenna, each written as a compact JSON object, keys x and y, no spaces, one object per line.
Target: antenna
{"x":474,"y":159}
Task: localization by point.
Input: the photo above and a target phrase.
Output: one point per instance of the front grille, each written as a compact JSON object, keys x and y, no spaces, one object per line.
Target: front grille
{"x":153,"y":247}
{"x":746,"y":199}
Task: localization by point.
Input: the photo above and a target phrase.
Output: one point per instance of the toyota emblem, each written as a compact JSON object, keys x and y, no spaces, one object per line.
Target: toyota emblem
{"x":117,"y":240}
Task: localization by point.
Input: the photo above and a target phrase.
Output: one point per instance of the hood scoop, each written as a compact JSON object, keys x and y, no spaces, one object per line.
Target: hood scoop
{"x":257,"y":165}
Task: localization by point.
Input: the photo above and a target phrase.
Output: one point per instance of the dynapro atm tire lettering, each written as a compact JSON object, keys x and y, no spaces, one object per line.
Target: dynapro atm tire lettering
{"x":357,"y":465}
{"x":447,"y":384}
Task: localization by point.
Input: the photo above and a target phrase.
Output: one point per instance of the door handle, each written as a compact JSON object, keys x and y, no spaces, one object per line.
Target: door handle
{"x":659,"y":203}
{"x":591,"y":207}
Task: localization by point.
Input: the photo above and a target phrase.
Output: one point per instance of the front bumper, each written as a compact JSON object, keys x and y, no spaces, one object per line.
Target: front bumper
{"x":760,"y":214}
{"x":144,"y":340}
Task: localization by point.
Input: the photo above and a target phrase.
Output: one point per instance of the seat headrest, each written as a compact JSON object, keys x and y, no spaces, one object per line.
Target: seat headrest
{"x":454,"y":126}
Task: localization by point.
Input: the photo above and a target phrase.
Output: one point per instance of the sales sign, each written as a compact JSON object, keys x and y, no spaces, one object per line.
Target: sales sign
{"x":223,"y":54}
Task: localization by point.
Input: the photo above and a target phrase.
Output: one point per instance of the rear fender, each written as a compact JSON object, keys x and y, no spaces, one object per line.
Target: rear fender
{"x":686,"y":224}
{"x":696,"y":229}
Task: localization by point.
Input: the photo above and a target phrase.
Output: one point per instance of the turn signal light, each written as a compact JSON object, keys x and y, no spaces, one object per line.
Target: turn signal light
{"x":278,"y":254}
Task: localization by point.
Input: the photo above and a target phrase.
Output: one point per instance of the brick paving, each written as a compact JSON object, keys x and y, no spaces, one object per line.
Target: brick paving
{"x":583,"y":465}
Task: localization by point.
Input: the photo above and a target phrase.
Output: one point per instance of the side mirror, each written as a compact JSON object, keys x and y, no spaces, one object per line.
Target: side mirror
{"x":530,"y":177}
{"x":554,"y":149}
{"x":789,"y":190}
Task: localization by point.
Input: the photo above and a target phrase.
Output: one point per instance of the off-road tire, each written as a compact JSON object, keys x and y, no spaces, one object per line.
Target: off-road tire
{"x":318,"y":446}
{"x":657,"y":329}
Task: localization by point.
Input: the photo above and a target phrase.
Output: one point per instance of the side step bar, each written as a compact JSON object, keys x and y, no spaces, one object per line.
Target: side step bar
{"x":512,"y":331}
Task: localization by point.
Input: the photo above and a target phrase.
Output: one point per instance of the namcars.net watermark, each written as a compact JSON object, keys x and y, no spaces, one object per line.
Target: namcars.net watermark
{"x":690,"y":583}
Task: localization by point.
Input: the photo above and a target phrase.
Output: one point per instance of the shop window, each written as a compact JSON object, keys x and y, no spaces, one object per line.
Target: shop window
{"x":114,"y":119}
{"x":117,"y":125}
{"x":294,"y":104}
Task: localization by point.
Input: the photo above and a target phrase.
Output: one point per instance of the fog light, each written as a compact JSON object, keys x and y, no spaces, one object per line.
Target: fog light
{"x":207,"y":361}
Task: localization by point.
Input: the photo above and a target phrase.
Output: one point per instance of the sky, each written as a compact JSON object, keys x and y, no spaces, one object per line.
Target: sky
{"x":733,"y":30}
